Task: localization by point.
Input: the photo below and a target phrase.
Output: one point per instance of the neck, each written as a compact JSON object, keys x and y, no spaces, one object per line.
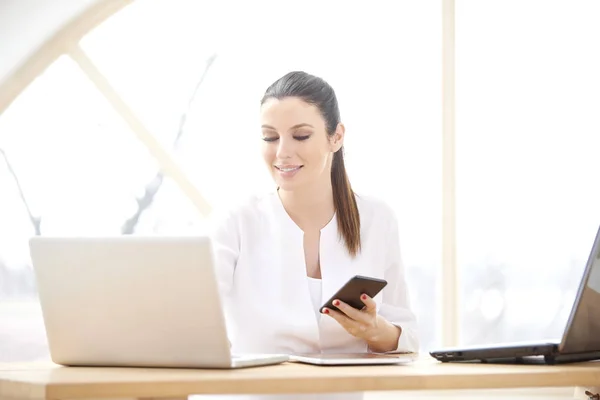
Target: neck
{"x":311,"y":206}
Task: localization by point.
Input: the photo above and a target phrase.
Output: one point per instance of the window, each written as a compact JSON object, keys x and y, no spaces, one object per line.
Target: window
{"x":69,"y":165}
{"x":527,"y":136}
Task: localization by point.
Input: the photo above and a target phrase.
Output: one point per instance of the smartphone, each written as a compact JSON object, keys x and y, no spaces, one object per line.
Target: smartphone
{"x":351,"y":291}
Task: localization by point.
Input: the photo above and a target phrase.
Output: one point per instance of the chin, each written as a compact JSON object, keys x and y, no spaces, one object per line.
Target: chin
{"x":289,"y":186}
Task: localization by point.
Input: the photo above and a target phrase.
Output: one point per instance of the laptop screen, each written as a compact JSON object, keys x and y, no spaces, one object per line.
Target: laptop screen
{"x":583,"y":329}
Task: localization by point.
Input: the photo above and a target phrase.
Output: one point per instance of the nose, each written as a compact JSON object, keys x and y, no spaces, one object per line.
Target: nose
{"x":285,"y":148}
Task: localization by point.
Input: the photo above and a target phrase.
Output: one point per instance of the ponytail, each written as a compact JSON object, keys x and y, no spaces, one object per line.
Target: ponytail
{"x":344,"y":201}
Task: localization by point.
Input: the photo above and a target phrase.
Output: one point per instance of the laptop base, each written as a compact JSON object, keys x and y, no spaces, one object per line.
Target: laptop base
{"x":546,"y":354}
{"x":256,"y":360}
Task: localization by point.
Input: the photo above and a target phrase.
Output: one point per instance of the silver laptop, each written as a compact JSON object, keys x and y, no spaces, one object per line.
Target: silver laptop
{"x":355,"y":358}
{"x":134,"y":301}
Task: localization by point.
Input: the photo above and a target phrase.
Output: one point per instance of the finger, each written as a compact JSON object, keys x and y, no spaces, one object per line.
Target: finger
{"x":371,"y":306}
{"x":352,"y":327}
{"x":350,"y":311}
{"x":342,"y":319}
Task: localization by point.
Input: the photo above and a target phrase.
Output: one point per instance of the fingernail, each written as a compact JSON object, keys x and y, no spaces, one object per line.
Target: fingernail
{"x":325,"y":311}
{"x":364,"y":297}
{"x":336,"y":302}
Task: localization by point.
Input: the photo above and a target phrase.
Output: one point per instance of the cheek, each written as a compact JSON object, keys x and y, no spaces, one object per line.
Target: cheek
{"x":320,"y":157}
{"x":316,"y":157}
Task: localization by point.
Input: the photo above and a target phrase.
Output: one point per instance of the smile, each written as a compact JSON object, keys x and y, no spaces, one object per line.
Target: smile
{"x":288,"y":169}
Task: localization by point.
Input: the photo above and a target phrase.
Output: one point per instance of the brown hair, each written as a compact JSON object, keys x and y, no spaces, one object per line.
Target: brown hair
{"x":319,"y":93}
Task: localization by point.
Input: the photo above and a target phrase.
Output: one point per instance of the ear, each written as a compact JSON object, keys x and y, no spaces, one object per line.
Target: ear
{"x":337,"y":139}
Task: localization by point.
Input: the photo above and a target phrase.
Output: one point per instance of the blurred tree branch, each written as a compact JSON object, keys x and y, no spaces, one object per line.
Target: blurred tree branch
{"x":36,"y":222}
{"x":152,"y":187}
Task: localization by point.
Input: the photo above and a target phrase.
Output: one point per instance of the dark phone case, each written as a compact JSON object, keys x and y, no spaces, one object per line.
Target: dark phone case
{"x":350,"y":293}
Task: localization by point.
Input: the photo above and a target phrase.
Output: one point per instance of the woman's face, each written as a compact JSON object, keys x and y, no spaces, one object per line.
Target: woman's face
{"x":296,"y":146}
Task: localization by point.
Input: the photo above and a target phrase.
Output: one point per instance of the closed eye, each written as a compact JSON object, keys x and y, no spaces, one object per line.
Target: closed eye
{"x":270,"y":139}
{"x":301,"y":137}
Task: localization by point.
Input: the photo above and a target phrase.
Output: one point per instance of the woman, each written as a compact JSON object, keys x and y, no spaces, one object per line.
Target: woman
{"x":281,"y":256}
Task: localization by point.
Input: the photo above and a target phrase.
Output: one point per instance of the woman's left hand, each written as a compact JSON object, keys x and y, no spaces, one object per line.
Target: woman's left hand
{"x":366,"y":324}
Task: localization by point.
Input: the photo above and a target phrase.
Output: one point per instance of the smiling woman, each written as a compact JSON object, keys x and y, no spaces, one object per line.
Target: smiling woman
{"x":279,"y":256}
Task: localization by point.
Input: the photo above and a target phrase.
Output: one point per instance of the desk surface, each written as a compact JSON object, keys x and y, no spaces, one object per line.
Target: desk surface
{"x":49,"y":381}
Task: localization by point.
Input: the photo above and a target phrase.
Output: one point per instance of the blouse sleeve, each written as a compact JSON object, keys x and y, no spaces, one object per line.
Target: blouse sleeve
{"x":225,"y":239}
{"x":226,"y":244}
{"x":395,"y":305}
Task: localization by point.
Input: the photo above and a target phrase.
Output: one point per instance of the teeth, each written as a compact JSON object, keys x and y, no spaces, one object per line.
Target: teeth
{"x":287,"y":169}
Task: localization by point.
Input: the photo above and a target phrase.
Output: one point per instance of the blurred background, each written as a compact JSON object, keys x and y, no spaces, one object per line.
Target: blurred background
{"x":129,"y":117}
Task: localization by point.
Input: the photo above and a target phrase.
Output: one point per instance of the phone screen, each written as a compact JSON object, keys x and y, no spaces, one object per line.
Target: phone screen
{"x":351,"y":291}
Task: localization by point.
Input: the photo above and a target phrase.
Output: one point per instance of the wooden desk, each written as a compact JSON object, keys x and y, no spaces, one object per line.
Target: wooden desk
{"x":49,"y":381}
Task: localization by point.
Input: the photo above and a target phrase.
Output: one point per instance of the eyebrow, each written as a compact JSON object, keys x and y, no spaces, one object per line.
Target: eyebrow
{"x":293,"y":127}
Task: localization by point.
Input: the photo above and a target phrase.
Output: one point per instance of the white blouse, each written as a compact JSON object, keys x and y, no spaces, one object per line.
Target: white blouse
{"x":269,"y":306}
{"x":314,"y":286}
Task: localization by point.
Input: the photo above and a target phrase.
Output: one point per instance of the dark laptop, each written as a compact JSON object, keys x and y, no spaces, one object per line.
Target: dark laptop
{"x":580,"y":340}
